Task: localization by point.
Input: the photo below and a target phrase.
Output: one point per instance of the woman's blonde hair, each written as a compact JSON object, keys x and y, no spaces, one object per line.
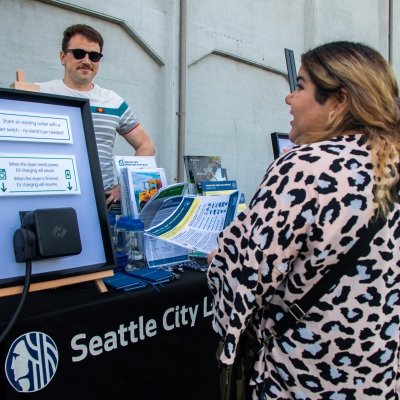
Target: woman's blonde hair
{"x":373,"y":91}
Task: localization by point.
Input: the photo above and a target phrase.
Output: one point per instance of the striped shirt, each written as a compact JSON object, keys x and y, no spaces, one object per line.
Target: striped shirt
{"x":110,"y":113}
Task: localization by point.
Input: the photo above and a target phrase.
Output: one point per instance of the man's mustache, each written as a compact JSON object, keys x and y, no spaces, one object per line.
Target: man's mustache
{"x":85,"y":66}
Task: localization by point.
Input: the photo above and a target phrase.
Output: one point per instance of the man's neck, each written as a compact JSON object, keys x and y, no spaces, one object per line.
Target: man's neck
{"x":82,"y":87}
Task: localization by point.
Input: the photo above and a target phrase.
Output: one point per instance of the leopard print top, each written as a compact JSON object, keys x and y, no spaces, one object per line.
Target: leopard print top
{"x":310,"y":208}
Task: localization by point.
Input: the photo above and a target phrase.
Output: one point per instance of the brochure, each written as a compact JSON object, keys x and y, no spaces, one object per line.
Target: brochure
{"x":197,"y":221}
{"x":149,"y":211}
{"x":218,"y":188}
{"x":143,"y":184}
{"x":197,"y":168}
{"x":160,"y":252}
{"x":122,"y":162}
{"x":225,"y":187}
{"x":208,"y":174}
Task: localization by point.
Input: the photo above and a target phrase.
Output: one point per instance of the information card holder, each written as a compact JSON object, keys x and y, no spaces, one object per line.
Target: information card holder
{"x":20,"y":84}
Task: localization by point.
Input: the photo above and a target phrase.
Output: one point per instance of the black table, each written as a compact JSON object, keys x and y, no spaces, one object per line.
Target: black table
{"x":143,"y":345}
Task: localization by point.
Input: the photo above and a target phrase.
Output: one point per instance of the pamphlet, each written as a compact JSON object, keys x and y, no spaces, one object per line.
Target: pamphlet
{"x":160,"y":252}
{"x":143,"y":184}
{"x":224,"y":187}
{"x":197,"y":221}
{"x":208,"y":174}
{"x":218,"y":188}
{"x":203,"y":168}
{"x":121,"y":162}
{"x":149,"y":211}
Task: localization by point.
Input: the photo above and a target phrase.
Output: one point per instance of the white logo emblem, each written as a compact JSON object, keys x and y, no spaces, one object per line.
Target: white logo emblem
{"x":31,"y":362}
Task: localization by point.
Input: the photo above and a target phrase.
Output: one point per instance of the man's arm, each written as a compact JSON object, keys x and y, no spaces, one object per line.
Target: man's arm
{"x":140,"y":141}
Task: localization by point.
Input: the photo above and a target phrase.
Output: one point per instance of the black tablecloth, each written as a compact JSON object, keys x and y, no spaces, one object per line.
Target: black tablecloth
{"x":143,"y":345}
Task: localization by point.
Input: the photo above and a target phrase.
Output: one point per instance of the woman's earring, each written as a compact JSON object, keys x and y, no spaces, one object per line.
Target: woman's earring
{"x":330,"y":116}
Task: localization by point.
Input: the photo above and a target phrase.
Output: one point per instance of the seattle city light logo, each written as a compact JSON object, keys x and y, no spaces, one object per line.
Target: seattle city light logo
{"x":31,"y":362}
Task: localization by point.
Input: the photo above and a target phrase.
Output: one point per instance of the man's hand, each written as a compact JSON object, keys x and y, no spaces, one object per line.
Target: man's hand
{"x":113,"y":194}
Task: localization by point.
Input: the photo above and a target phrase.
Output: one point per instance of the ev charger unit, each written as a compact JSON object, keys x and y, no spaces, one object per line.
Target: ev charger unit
{"x":56,"y":231}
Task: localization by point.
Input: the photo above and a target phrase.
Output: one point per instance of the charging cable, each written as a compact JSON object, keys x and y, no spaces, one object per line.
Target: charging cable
{"x":27,"y":283}
{"x":25,"y":250}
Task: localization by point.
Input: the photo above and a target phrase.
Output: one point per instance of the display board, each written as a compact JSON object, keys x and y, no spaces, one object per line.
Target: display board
{"x":280,"y":142}
{"x":48,"y":159}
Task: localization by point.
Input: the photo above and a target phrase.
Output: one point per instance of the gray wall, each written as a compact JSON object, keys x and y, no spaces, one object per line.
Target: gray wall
{"x":233,"y":101}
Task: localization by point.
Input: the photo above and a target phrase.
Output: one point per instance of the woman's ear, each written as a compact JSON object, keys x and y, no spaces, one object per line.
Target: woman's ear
{"x":342,"y":99}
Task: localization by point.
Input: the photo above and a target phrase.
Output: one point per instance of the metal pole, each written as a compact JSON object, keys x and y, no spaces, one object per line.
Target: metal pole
{"x":182,"y":92}
{"x":390,"y":34}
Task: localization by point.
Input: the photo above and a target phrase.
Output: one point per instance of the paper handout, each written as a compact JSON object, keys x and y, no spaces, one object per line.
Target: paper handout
{"x":121,"y":163}
{"x":143,"y":184}
{"x":197,"y":221}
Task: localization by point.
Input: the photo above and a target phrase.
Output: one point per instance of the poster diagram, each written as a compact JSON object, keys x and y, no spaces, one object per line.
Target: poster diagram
{"x":25,"y":175}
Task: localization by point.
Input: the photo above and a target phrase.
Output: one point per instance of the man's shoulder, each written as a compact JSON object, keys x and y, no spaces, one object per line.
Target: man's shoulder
{"x":52,"y":87}
{"x":98,"y":96}
{"x":105,"y":94}
{"x":105,"y":98}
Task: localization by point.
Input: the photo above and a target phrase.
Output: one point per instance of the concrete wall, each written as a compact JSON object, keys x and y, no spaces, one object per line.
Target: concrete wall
{"x":234,"y":101}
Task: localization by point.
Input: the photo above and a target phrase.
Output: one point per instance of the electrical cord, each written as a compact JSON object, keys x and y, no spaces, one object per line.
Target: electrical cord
{"x":28,"y":265}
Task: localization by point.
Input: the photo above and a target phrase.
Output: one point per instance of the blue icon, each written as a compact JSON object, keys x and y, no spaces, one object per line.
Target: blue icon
{"x":31,"y":362}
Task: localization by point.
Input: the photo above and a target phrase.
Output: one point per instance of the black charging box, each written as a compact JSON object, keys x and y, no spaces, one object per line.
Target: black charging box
{"x":56,"y":230}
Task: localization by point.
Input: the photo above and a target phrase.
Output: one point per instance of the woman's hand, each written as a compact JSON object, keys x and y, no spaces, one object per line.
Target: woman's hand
{"x":211,"y":256}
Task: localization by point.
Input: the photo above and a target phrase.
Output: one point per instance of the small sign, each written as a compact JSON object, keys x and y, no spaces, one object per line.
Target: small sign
{"x":28,"y":175}
{"x":29,"y":127}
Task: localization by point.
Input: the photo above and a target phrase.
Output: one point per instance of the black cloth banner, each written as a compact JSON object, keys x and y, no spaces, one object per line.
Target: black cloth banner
{"x":142,"y":345}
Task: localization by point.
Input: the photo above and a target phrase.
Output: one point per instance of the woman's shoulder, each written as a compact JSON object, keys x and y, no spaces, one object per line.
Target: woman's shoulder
{"x":338,"y":166}
{"x":345,"y":144}
{"x":331,"y":154}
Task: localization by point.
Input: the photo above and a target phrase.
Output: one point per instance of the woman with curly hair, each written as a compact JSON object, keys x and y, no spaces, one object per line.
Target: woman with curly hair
{"x":312,"y":205}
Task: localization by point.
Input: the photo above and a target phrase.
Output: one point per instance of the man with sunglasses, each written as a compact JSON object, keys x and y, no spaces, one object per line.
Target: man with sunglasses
{"x":80,"y":56}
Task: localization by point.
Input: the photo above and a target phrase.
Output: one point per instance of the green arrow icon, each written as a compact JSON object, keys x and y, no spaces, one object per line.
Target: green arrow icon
{"x":3,"y":188}
{"x":69,"y":186}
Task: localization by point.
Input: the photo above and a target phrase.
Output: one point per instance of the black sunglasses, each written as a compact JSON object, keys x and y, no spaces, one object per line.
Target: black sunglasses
{"x":80,"y":54}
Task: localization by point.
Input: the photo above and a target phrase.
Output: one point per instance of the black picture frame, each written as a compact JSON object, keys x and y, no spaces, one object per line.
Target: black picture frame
{"x":277,"y":139}
{"x":291,"y":69}
{"x":82,"y":106}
